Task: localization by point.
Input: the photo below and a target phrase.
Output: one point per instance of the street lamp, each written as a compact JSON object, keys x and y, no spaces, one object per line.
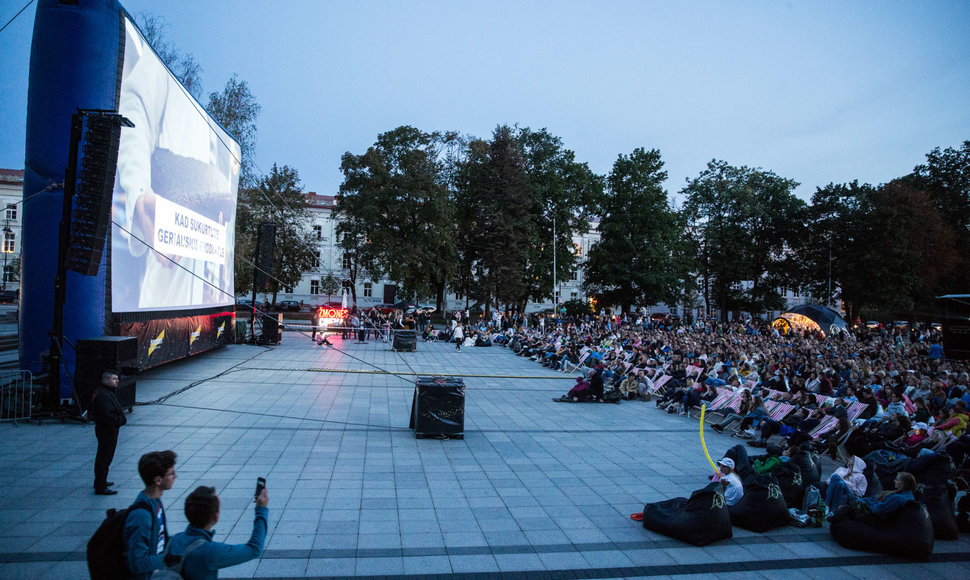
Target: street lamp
{"x":6,"y":230}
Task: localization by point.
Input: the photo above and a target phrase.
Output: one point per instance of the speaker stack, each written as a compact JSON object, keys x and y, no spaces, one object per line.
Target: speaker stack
{"x":96,"y":355}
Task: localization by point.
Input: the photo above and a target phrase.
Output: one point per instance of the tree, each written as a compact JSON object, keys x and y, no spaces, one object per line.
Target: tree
{"x":746,"y":222}
{"x":945,"y":177}
{"x":276,"y":198}
{"x":494,"y":204}
{"x":890,"y":245}
{"x":329,"y":285}
{"x":398,"y":192}
{"x":236,"y":109}
{"x":640,"y":258}
{"x":563,"y":191}
{"x":183,"y":65}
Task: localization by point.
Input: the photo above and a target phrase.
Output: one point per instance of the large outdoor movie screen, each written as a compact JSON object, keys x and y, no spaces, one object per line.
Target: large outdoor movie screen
{"x":174,"y":204}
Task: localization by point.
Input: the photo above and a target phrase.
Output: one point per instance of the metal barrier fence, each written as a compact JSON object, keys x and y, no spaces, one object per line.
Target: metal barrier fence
{"x":16,"y":395}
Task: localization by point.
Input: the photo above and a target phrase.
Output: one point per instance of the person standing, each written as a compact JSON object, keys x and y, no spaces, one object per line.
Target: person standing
{"x":203,"y":557}
{"x":458,"y":337}
{"x":146,"y":530}
{"x":108,"y":417}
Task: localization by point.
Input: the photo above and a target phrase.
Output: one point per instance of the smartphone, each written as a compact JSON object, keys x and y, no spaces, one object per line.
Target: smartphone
{"x":260,"y":485}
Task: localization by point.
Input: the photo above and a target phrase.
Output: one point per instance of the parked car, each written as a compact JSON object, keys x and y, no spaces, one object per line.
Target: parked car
{"x":289,"y":306}
{"x":8,"y":296}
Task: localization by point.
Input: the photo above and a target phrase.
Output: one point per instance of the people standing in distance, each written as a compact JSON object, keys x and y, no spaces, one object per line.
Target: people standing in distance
{"x":108,"y":417}
{"x":458,"y":336}
{"x":205,"y":560}
{"x":146,"y":530}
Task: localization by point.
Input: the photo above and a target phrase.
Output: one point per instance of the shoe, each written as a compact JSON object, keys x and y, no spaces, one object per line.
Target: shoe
{"x":717,"y":427}
{"x":105,"y":491}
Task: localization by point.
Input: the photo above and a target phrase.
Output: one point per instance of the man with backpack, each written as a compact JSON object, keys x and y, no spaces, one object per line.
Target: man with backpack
{"x":130,"y":543}
{"x":108,"y":417}
{"x":146,"y":530}
{"x":202,"y":557}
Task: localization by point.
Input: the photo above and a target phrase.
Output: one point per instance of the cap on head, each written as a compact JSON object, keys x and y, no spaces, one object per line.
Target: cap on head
{"x":727,"y":462}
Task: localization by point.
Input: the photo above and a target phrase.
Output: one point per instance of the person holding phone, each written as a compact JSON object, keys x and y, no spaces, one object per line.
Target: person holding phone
{"x":203,"y":557}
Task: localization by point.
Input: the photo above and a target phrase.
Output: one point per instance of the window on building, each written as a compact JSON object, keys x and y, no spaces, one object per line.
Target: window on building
{"x":346,"y":263}
{"x":11,"y":211}
{"x":346,"y":285}
{"x":316,"y":260}
{"x":9,"y":242}
{"x":575,"y":276}
{"x":368,"y":289}
{"x":577,"y":249}
{"x":314,"y":287}
{"x":288,"y":290}
{"x":318,"y":232}
{"x":794,"y":292}
{"x":573,"y":295}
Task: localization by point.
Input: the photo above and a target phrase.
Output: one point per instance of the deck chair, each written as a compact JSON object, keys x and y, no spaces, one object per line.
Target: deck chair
{"x":657,"y":389}
{"x":854,"y":410}
{"x":781,"y":411}
{"x":825,"y":426}
{"x":840,"y":453}
{"x":572,"y":367}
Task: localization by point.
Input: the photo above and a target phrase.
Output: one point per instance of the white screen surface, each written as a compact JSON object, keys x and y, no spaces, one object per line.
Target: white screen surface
{"x":174,"y":202}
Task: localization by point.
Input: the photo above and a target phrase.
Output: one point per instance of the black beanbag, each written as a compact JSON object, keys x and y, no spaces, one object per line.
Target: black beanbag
{"x":932,"y":468}
{"x":940,"y":506}
{"x":762,"y":507}
{"x":789,"y":478}
{"x":907,"y":533}
{"x":700,"y":520}
{"x":810,"y":465}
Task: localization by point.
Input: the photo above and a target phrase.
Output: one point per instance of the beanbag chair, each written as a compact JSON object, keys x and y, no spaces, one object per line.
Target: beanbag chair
{"x":940,"y":506}
{"x":810,"y":465}
{"x":932,"y":468}
{"x":887,"y":464}
{"x":789,"y":478}
{"x":762,"y":507}
{"x":700,"y":520}
{"x":907,"y":533}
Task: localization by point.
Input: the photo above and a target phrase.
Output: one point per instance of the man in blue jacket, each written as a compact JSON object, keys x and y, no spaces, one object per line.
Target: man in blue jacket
{"x":206,"y":557}
{"x":146,"y":530}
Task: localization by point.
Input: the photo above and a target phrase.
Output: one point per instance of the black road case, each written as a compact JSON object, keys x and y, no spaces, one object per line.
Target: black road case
{"x":438,"y":407}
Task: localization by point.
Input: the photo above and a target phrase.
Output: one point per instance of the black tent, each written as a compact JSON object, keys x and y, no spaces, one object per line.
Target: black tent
{"x":811,"y":317}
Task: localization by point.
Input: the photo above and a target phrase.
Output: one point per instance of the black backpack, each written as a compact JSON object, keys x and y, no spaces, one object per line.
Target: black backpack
{"x":106,"y":548}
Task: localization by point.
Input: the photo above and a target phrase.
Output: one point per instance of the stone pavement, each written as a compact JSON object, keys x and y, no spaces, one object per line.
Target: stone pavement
{"x":535,"y":489}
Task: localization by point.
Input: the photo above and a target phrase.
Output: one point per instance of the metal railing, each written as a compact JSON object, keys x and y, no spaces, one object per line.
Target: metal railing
{"x":16,"y":395}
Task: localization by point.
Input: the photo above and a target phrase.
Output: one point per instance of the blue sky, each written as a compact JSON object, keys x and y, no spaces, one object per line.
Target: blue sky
{"x":815,"y":91}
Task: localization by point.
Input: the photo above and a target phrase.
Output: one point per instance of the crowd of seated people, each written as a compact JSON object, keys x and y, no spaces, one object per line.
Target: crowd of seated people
{"x":848,"y":393}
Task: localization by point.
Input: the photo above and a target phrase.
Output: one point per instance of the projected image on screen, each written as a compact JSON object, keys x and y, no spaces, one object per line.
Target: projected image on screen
{"x":174,"y":204}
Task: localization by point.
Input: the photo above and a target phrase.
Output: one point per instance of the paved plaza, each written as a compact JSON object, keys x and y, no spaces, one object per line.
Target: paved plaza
{"x":535,"y":489}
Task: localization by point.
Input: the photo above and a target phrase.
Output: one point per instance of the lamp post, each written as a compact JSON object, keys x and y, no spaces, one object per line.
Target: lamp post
{"x":555,"y":289}
{"x":6,"y":230}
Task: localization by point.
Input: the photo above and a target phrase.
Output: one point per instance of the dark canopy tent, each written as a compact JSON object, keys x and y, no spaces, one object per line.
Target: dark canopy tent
{"x":811,"y":317}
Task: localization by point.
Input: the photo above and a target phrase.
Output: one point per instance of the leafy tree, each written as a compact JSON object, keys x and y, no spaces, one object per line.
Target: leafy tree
{"x":560,"y":189}
{"x":640,"y":258}
{"x":890,"y":245}
{"x":745,"y":221}
{"x":329,"y":285}
{"x":236,"y":109}
{"x":495,"y":208}
{"x":277,"y":198}
{"x":945,"y":177}
{"x":398,"y":192}
{"x":183,"y":65}
{"x":576,"y":307}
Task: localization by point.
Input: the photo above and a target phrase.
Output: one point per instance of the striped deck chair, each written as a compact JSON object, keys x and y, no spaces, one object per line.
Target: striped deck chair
{"x":658,"y":385}
{"x":821,"y":399}
{"x":734,"y":405}
{"x":854,"y":410}
{"x":781,"y":411}
{"x":693,"y":370}
{"x":827,"y":424}
{"x":723,"y":395}
{"x":910,"y":407}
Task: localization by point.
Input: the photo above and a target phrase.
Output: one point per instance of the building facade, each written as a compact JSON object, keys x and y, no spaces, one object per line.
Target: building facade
{"x":11,"y":196}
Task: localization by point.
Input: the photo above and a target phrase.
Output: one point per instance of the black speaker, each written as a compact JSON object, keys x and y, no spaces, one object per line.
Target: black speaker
{"x":272,"y":332}
{"x":92,"y":200}
{"x":96,"y":355}
{"x":264,"y":256}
